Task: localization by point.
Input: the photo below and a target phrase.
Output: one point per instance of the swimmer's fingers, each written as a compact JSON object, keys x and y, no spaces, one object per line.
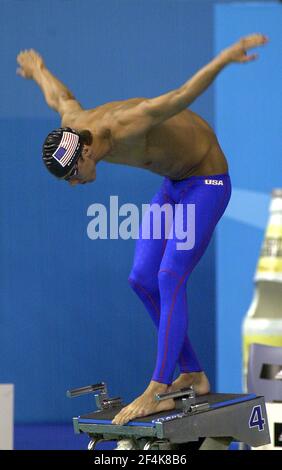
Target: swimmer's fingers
{"x":249,"y":42}
{"x":238,"y":51}
{"x":253,"y":40}
{"x":29,"y":53}
{"x":21,"y":72}
{"x":29,"y":61}
{"x":248,"y":58}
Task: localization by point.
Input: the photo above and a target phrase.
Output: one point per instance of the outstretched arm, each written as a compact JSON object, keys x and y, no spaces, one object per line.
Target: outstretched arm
{"x":156,"y":110}
{"x":57,"y":95}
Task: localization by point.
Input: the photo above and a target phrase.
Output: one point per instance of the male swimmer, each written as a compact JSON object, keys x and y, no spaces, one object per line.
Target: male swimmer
{"x":161,"y":135}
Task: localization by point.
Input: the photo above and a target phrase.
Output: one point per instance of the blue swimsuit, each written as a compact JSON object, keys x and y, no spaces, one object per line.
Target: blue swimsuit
{"x":161,"y":270}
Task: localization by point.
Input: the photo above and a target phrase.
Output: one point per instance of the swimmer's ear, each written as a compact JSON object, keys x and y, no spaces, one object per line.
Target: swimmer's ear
{"x":86,"y":137}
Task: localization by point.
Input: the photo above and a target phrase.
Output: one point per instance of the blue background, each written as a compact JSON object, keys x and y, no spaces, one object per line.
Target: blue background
{"x":68,"y":316}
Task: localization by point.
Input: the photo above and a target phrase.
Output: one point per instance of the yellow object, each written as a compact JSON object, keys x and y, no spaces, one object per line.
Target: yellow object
{"x":271,"y":254}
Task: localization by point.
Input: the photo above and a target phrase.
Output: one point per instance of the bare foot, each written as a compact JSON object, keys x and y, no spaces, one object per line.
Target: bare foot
{"x":144,"y":406}
{"x":199,"y":381}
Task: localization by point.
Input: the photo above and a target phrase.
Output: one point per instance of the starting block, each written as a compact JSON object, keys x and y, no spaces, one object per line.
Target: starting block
{"x":206,"y":422}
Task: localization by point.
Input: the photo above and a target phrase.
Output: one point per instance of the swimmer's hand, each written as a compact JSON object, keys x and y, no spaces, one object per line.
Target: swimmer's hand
{"x":30,"y":62}
{"x":238,"y":51}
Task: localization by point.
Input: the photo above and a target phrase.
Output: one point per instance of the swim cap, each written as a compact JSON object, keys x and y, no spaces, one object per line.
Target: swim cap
{"x":61,"y":150}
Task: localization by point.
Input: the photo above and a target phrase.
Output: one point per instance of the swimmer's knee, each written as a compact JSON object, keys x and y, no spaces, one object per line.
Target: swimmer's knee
{"x":167,"y":278}
{"x":139,"y":279}
{"x":136,"y":276}
{"x":132,"y":281}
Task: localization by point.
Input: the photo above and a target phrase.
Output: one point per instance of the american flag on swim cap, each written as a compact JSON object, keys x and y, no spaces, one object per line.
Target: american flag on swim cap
{"x":66,"y":149}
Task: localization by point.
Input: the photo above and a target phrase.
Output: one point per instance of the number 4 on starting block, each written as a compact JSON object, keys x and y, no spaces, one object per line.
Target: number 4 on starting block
{"x":256,"y":418}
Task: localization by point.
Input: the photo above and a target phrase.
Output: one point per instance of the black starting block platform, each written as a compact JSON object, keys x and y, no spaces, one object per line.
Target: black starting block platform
{"x":204,"y":422}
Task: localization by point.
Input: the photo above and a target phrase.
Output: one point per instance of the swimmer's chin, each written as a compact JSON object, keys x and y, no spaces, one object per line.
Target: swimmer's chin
{"x":79,"y":183}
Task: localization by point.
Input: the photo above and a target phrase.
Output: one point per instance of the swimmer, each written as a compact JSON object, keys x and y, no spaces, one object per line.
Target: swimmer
{"x":160,"y":135}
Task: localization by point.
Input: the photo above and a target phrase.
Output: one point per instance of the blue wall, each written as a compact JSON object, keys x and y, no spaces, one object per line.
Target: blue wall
{"x":248,"y":122}
{"x":68,"y":317}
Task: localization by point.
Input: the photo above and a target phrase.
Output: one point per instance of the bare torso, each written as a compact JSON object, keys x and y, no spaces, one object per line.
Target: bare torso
{"x":181,"y":146}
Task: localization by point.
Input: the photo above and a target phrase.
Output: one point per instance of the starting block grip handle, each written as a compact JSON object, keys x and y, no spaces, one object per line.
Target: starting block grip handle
{"x":183,"y":392}
{"x":77,"y":392}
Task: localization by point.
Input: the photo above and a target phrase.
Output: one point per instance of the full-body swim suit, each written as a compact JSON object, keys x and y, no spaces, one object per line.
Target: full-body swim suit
{"x":161,"y":270}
